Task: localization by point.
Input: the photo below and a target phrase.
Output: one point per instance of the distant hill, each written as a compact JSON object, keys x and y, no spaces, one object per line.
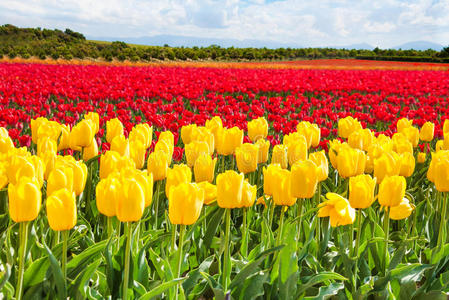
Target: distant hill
{"x":420,"y":45}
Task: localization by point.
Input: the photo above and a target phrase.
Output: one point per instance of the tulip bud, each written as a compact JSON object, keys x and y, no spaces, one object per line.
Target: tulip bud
{"x":177,"y":175}
{"x":347,"y":126}
{"x":164,"y":146}
{"x":391,"y":191}
{"x":157,"y":164}
{"x":82,"y":135}
{"x":79,"y":172}
{"x":229,"y":189}
{"x":427,"y":131}
{"x":264,"y":147}
{"x":210,"y":192}
{"x":145,"y":181}
{"x":247,"y":157}
{"x":320,"y":160}
{"x":304,"y":179}
{"x":24,"y":199}
{"x":35,"y":124}
{"x":407,"y":161}
{"x":257,"y":129}
{"x":194,"y":150}
{"x":106,"y":195}
{"x":130,"y":200}
{"x":401,"y":211}
{"x":388,"y":164}
{"x":60,"y":178}
{"x":282,"y":190}
{"x":311,"y":132}
{"x":361,"y":191}
{"x":113,"y":128}
{"x":61,"y":210}
{"x":185,"y":203}
{"x":279,"y":156}
{"x":204,"y":168}
{"x":334,"y":148}
{"x":337,"y":209}
{"x":228,"y":140}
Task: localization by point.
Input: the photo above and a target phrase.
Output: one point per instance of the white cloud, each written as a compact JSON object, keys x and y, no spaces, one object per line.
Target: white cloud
{"x":376,"y":27}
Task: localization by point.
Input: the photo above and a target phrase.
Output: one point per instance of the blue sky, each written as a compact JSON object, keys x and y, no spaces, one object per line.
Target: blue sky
{"x":383,"y":23}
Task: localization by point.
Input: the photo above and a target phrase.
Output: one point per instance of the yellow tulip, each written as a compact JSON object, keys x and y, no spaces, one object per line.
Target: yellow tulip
{"x":334,"y":148}
{"x":210,"y":192}
{"x":407,"y":161}
{"x":79,"y":171}
{"x":50,"y":129}
{"x":169,"y":138}
{"x":202,"y":134}
{"x":106,"y":194}
{"x":388,"y":164}
{"x":113,"y":128}
{"x":35,"y":124}
{"x":401,"y":211}
{"x":391,"y":191}
{"x":249,"y":193}
{"x":64,"y":139}
{"x":441,"y":172}
{"x":157,"y":164}
{"x":3,"y":176}
{"x":130,"y":200}
{"x":143,"y":133}
{"x":82,"y":135}
{"x":214,"y":125}
{"x":46,"y":145}
{"x":24,"y":199}
{"x":282,"y":189}
{"x":446,"y":126}
{"x":320,"y":160}
{"x":347,"y":126}
{"x":61,"y":210}
{"x":145,"y":181}
{"x":402,"y":145}
{"x":421,"y":157}
{"x":228,"y":140}
{"x":186,"y":133}
{"x":403,"y":123}
{"x":164,"y":146}
{"x":311,"y":132}
{"x":194,"y":150}
{"x":427,"y":132}
{"x":91,"y":151}
{"x":361,"y":191}
{"x":436,"y":156}
{"x":337,"y":209}
{"x":270,"y":178}
{"x":177,"y":175}
{"x":26,"y":166}
{"x":120,"y":144}
{"x":204,"y":168}
{"x":247,"y":157}
{"x":229,"y":189}
{"x":279,"y":156}
{"x":6,"y":144}
{"x":257,"y":129}
{"x":60,"y":178}
{"x":297,"y":150}
{"x":304,"y":179}
{"x":264,"y":147}
{"x":95,"y":118}
{"x":350,"y":162}
{"x":3,"y":132}
{"x":440,"y":145}
{"x":137,"y":153}
{"x":185,"y":203}
{"x":412,"y":134}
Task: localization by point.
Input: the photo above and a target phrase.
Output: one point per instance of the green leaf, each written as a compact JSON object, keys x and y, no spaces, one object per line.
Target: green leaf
{"x":79,"y":262}
{"x":57,"y":275}
{"x":6,"y":275}
{"x":81,"y":281}
{"x":212,"y":227}
{"x":318,"y":278}
{"x":398,"y":255}
{"x":36,"y":272}
{"x":194,"y":275}
{"x":162,"y":288}
{"x":411,"y":272}
{"x":326,"y":292}
{"x":254,"y":287}
{"x":215,"y":286}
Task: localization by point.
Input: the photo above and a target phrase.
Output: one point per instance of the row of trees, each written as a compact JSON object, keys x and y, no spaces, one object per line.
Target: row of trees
{"x":42,"y":43}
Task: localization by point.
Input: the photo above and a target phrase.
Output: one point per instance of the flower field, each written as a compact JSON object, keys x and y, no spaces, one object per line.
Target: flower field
{"x":253,"y":182}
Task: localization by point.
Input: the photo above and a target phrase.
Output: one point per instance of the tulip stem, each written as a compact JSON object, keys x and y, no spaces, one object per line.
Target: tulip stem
{"x":156,"y":203}
{"x":300,"y":204}
{"x":173,"y":237}
{"x":357,"y":243}
{"x":182,"y":230}
{"x":387,"y":234}
{"x":23,"y":236}
{"x":281,"y":226}
{"x":127,"y":257}
{"x":245,"y":233}
{"x":442,"y":221}
{"x":119,"y":226}
{"x":227,"y":258}
{"x":318,"y":233}
{"x":109,"y":226}
{"x":65,"y":237}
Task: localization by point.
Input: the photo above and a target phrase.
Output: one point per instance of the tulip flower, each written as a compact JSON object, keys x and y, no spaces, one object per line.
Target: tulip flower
{"x":137,"y":153}
{"x":446,"y":126}
{"x":388,"y":164}
{"x":311,"y":132}
{"x":421,"y":157}
{"x":361,"y":191}
{"x":46,"y":145}
{"x":24,"y":199}
{"x":157,"y":164}
{"x":177,"y":175}
{"x":82,"y":135}
{"x":214,"y":125}
{"x":3,"y":176}
{"x":297,"y":150}
{"x":202,"y":134}
{"x":427,"y":131}
{"x":347,"y":126}
{"x":91,"y":151}
{"x":304,"y":179}
{"x":228,"y":140}
{"x":337,"y":209}
{"x":403,"y":123}
{"x":441,"y":144}
{"x":61,"y":210}
{"x":143,"y":133}
{"x":412,"y":134}
{"x":320,"y":160}
{"x":257,"y":129}
{"x":165,"y":146}
{"x":264,"y":147}
{"x":111,"y":162}
{"x":49,"y":129}
{"x":186,"y":133}
{"x":334,"y":148}
{"x":130,"y":200}
{"x":95,"y":118}
{"x":391,"y":191}
{"x":407,"y":161}
{"x":401,"y":211}
{"x":35,"y":124}
{"x":120,"y":144}
{"x":350,"y":162}
{"x":113,"y":128}
{"x":229,"y":189}
{"x":6,"y":144}
{"x":194,"y":150}
{"x":282,"y":189}
{"x":79,"y":172}
{"x":185,"y":203}
{"x":279,"y":156}
{"x":270,"y":178}
{"x":168,"y":137}
{"x":402,"y":145}
{"x":204,"y":168}
{"x":106,"y":194}
{"x":64,"y":139}
{"x":210,"y":192}
{"x":20,"y":166}
{"x":247,"y":158}
{"x":60,"y":178}
{"x":441,"y":171}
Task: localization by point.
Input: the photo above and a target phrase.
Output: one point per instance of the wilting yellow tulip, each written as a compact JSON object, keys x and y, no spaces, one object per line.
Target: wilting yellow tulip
{"x":82,"y":135}
{"x":403,"y":123}
{"x":204,"y":168}
{"x":24,"y":199}
{"x":320,"y":160}
{"x":194,"y":150}
{"x":282,"y":190}
{"x":412,"y":134}
{"x":249,"y":193}
{"x":391,"y":191}
{"x":130,"y":200}
{"x":61,"y":210}
{"x":421,"y":157}
{"x":177,"y":175}
{"x":279,"y":156}
{"x":427,"y":131}
{"x":361,"y":191}
{"x":113,"y":128}
{"x":347,"y":126}
{"x":137,"y":153}
{"x":311,"y":132}
{"x":202,"y":134}
{"x":228,"y":140}
{"x":60,"y":178}
{"x":64,"y":139}
{"x":157,"y":164}
{"x":214,"y":125}
{"x":257,"y":129}
{"x":106,"y":194}
{"x":79,"y":171}
{"x":186,"y":133}
{"x":229,"y":189}
{"x":297,"y":150}
{"x":91,"y":151}
{"x":185,"y":203}
{"x":304,"y":179}
{"x":120,"y":144}
{"x":95,"y":118}
{"x":441,"y":172}
{"x":407,"y":161}
{"x":402,"y":211}
{"x":210,"y":192}
{"x":270,"y":178}
{"x":337,"y":209}
{"x":247,"y":157}
{"x":264,"y":147}
{"x":388,"y":164}
{"x":350,"y":162}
